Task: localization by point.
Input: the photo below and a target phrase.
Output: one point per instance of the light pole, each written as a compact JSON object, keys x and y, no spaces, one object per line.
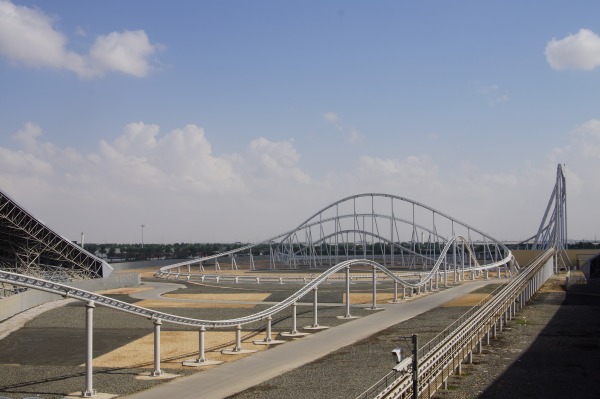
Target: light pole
{"x":143,"y":235}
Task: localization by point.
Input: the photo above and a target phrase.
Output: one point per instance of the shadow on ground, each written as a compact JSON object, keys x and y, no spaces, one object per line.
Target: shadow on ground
{"x":564,"y":360}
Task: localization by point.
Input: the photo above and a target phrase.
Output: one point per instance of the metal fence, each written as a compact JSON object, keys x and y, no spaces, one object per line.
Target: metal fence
{"x":443,"y":355}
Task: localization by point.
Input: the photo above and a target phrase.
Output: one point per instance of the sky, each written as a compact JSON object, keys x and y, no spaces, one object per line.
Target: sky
{"x":224,"y":121}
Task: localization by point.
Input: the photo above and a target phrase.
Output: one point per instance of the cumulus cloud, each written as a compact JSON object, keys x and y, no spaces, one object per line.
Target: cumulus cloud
{"x":276,"y":159}
{"x":176,"y":184}
{"x":172,"y":178}
{"x":28,"y":37}
{"x":352,"y":135}
{"x":125,"y":52}
{"x":578,"y":51}
{"x":586,"y":138}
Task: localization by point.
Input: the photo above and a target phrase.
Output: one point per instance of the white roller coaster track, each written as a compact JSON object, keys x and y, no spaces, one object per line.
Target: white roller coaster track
{"x":70,"y":292}
{"x":289,"y":247}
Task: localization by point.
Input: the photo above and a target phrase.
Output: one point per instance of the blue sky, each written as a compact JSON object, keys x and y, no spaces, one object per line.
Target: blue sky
{"x":234,"y":121}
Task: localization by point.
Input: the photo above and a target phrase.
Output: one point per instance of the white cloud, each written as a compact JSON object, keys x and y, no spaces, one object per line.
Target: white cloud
{"x":275,"y":160}
{"x":330,"y":117}
{"x":493,"y":94}
{"x":352,"y":135}
{"x":414,"y":174}
{"x":28,"y":37}
{"x":125,"y":52}
{"x":586,"y":139}
{"x":175,"y":184}
{"x":578,"y":51}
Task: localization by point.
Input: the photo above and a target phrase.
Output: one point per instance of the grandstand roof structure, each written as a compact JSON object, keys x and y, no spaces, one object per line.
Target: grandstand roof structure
{"x":28,"y":246}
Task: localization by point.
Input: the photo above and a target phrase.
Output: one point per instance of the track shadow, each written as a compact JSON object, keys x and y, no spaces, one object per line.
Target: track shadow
{"x":563,"y":361}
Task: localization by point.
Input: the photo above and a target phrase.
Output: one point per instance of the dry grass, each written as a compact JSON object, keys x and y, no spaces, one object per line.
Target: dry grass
{"x":175,"y":347}
{"x":157,"y":303}
{"x":212,"y":301}
{"x":556,"y":283}
{"x":362,"y":298}
{"x":251,"y":296}
{"x":124,"y":291}
{"x":466,"y":300}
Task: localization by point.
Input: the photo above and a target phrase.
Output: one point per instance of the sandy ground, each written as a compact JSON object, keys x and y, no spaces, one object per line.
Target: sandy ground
{"x":212,"y":301}
{"x":466,"y":300}
{"x":175,"y":347}
{"x":254,"y":296}
{"x":124,"y":291}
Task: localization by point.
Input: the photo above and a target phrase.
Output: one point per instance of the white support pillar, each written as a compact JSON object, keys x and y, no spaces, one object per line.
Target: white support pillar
{"x":396,"y":292}
{"x":315,"y":325}
{"x":89,"y":329}
{"x":201,"y":360}
{"x":238,"y":338}
{"x":374,"y":307}
{"x":348,"y":292}
{"x":294,"y":332}
{"x":294,"y":325}
{"x":315,"y":307}
{"x":268,"y":338}
{"x":237,"y":349}
{"x":157,"y":371}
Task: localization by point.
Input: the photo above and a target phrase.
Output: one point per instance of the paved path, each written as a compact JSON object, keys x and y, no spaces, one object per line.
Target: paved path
{"x":230,"y":378}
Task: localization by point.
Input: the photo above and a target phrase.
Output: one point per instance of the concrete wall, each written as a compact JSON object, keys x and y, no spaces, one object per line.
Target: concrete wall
{"x":144,"y":264}
{"x":18,"y":303}
{"x":577,"y":257}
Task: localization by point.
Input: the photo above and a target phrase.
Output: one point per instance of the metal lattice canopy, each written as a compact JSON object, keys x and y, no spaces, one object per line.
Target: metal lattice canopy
{"x":28,"y":246}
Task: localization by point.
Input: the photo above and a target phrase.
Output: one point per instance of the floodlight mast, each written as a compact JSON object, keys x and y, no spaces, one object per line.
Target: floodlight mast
{"x":142,"y":226}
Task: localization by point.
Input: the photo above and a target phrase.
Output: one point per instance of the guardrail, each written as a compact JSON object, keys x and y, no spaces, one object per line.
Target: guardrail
{"x":444,"y":354}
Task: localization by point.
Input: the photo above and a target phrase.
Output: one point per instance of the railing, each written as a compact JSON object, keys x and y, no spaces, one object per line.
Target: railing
{"x":443,"y":355}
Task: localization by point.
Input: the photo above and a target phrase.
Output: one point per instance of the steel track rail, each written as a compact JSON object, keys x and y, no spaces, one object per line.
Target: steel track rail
{"x":424,"y":277}
{"x":82,"y":295}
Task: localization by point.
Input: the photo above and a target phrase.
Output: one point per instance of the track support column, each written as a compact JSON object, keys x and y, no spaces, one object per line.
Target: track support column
{"x":374,"y":288}
{"x":157,"y":372}
{"x":315,"y":307}
{"x":89,"y":330}
{"x":348,"y":292}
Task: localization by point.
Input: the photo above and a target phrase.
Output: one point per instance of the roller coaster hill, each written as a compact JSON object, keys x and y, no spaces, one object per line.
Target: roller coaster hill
{"x":394,"y":232}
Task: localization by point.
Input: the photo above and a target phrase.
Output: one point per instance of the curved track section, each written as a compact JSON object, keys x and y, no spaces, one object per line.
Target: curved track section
{"x":393,"y":231}
{"x":70,"y":292}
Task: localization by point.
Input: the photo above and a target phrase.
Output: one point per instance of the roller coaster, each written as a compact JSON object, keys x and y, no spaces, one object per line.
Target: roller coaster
{"x":412,"y":244}
{"x":392,"y":231}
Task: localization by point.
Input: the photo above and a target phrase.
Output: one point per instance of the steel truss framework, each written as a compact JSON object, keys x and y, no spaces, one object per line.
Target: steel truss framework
{"x":28,"y":246}
{"x":552,"y":232}
{"x":394,"y":231}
